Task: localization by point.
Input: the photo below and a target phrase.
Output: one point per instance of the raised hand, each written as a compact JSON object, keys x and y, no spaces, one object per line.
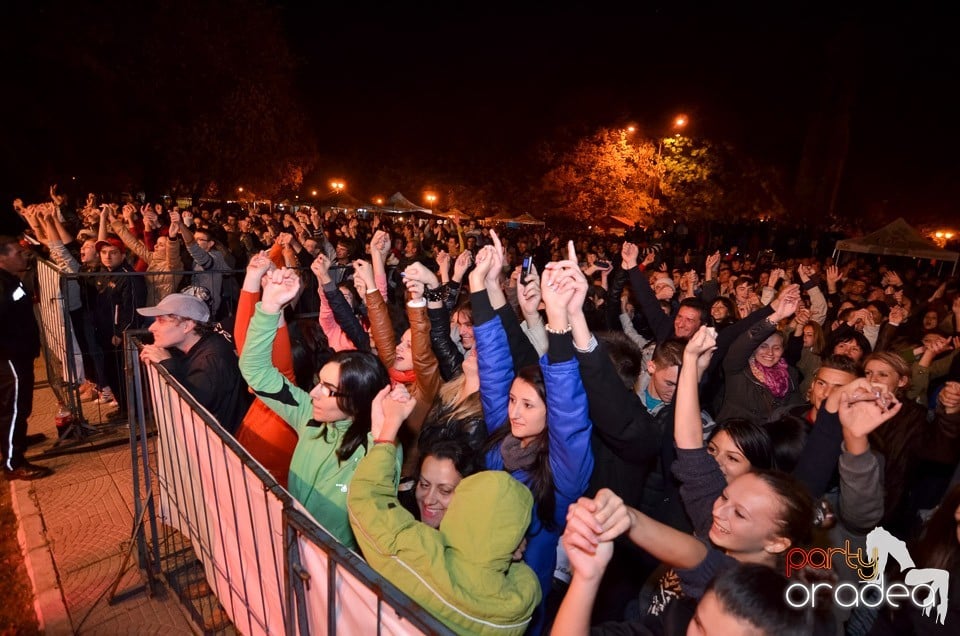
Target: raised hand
{"x":496,"y":268}
{"x":280,"y":287}
{"x":462,"y":264}
{"x":629,"y":253}
{"x":702,"y":343}
{"x":259,"y":264}
{"x":603,"y":518}
{"x":862,"y":411}
{"x":485,"y":260}
{"x":363,"y":269}
{"x":414,"y":287}
{"x":528,"y":294}
{"x":321,"y":268}
{"x":897,"y":315}
{"x":833,"y":275}
{"x":802,"y":317}
{"x":893,"y":278}
{"x":418,"y":272}
{"x":443,"y":262}
{"x":380,"y":243}
{"x":713,"y":261}
{"x":388,"y":411}
{"x":651,"y":256}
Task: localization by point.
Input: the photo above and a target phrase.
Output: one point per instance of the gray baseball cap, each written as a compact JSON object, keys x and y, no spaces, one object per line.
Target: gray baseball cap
{"x":179,"y":305}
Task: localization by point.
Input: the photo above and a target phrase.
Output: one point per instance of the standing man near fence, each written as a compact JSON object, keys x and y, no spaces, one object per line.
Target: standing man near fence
{"x":19,"y":346}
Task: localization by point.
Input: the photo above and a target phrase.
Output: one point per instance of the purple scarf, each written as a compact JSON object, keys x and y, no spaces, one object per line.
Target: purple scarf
{"x":775,"y":378}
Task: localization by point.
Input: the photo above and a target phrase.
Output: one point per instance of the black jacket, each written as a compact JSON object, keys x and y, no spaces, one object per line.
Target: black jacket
{"x":210,"y":372}
{"x":20,"y":337}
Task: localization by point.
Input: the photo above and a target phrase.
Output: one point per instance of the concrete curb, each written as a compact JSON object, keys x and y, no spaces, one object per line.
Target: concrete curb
{"x":32,"y":536}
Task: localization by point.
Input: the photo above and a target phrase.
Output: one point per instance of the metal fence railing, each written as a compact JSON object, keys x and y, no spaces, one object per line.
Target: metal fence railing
{"x":211,"y":519}
{"x":62,"y":355}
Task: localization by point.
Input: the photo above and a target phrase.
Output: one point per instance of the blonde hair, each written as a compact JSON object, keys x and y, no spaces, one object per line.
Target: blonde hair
{"x":896,"y":362}
{"x":449,"y":394}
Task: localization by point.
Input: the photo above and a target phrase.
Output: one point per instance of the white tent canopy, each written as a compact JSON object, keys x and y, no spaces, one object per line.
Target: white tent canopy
{"x":897,"y":239}
{"x":399,"y":204}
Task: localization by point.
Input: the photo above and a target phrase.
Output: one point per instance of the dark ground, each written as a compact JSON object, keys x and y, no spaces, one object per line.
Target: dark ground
{"x":16,"y":610}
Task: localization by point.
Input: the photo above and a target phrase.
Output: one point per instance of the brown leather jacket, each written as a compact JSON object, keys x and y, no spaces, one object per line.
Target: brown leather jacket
{"x":425,"y":366}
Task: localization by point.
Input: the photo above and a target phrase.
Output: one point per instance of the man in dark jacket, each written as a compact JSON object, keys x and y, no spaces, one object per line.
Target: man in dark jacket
{"x":19,"y":345}
{"x":115,"y":311}
{"x":201,"y":359}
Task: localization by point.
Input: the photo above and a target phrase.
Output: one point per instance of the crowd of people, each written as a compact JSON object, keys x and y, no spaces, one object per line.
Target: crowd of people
{"x":530,"y":432}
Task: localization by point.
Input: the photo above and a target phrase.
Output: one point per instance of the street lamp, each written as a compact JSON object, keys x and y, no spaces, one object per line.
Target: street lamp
{"x":431,"y":199}
{"x":337,"y":186}
{"x":679,"y":122}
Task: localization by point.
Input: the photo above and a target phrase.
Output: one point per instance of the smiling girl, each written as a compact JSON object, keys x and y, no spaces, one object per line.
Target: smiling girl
{"x":758,"y":379}
{"x":537,"y":417}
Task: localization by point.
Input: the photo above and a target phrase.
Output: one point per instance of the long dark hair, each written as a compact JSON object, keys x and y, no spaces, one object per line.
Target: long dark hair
{"x":752,"y":440}
{"x":541,"y":477}
{"x":310,"y":350}
{"x":362,"y":375}
{"x":797,"y":515}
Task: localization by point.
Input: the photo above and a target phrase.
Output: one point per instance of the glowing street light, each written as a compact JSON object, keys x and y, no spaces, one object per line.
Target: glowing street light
{"x":337,"y":186}
{"x":431,"y":199}
{"x":240,"y":189}
{"x":313,"y":193}
{"x":378,"y":200}
{"x":679,"y":122}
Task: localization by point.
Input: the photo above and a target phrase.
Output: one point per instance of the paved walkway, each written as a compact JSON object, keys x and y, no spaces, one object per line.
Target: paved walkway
{"x":75,"y":528}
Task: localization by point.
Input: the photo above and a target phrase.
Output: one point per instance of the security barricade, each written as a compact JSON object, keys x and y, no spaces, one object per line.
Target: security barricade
{"x":61,"y":352}
{"x":210,"y":517}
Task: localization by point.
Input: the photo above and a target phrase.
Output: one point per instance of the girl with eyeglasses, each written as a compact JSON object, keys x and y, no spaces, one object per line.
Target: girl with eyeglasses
{"x":332,"y":421}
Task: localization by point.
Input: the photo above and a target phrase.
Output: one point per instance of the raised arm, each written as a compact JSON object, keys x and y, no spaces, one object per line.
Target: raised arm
{"x":282,"y":396}
{"x":529,"y":296}
{"x":688,"y":427}
{"x":659,"y":322}
{"x":381,"y":327}
{"x":605,"y":517}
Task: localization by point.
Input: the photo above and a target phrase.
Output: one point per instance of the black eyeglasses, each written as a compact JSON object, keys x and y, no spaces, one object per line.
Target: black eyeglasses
{"x":330,"y":390}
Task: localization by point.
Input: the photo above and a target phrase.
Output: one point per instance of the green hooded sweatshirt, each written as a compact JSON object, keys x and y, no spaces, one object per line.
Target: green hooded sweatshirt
{"x":463,"y":573}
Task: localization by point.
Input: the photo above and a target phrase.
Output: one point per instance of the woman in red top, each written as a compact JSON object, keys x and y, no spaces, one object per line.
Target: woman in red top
{"x":264,"y":434}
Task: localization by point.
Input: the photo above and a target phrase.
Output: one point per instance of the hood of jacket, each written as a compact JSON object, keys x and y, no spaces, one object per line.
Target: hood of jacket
{"x":487,"y":540}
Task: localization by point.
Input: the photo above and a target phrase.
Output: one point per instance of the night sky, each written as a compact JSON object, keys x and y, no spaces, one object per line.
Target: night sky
{"x":388,"y":88}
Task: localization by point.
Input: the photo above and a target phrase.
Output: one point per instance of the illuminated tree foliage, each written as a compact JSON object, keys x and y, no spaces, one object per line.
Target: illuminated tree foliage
{"x":611,"y":173}
{"x":606,"y":174}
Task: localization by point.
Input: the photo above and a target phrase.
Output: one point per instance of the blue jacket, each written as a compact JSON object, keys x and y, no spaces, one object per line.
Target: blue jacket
{"x":568,"y":426}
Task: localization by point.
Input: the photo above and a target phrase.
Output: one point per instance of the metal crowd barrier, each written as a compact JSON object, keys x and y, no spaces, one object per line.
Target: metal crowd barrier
{"x":209,"y":518}
{"x":61,"y":352}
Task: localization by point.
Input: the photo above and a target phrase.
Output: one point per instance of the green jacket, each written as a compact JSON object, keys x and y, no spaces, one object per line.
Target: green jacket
{"x":317,"y":478}
{"x":463,"y":573}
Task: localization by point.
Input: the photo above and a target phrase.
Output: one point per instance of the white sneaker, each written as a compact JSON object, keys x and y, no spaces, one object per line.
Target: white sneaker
{"x":106,"y":397}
